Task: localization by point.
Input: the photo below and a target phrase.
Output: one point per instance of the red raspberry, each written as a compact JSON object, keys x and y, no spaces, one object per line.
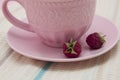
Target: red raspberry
{"x":72,"y":49}
{"x":95,"y":40}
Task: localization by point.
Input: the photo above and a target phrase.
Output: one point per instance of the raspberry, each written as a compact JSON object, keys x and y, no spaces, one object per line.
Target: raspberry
{"x":72,"y":49}
{"x":95,"y":40}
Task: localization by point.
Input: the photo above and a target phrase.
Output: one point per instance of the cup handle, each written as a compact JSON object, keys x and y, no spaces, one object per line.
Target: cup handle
{"x":14,"y":20}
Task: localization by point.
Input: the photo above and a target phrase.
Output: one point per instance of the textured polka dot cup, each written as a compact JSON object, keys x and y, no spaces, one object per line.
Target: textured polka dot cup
{"x":55,"y":21}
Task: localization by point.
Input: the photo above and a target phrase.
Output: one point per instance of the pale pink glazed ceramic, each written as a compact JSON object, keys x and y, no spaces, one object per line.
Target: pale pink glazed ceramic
{"x":55,"y":21}
{"x":0,"y":3}
{"x":28,"y":44}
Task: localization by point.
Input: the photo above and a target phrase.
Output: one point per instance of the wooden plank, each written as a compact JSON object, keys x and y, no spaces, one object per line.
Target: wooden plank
{"x":5,"y":50}
{"x":117,"y":15}
{"x":107,"y":8}
{"x":18,"y":67}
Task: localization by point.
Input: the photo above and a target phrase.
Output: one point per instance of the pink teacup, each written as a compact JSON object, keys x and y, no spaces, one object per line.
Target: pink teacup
{"x":55,"y":21}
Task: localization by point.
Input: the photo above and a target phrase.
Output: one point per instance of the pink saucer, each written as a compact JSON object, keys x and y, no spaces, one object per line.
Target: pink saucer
{"x":28,"y":44}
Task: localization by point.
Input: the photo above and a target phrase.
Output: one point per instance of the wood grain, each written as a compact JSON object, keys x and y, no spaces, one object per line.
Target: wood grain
{"x":14,"y":66}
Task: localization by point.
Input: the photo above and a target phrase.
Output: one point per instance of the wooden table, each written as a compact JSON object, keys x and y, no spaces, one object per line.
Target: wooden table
{"x":14,"y":66}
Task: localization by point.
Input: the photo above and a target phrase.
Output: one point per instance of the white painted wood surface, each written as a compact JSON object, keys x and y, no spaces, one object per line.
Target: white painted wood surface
{"x":14,"y":66}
